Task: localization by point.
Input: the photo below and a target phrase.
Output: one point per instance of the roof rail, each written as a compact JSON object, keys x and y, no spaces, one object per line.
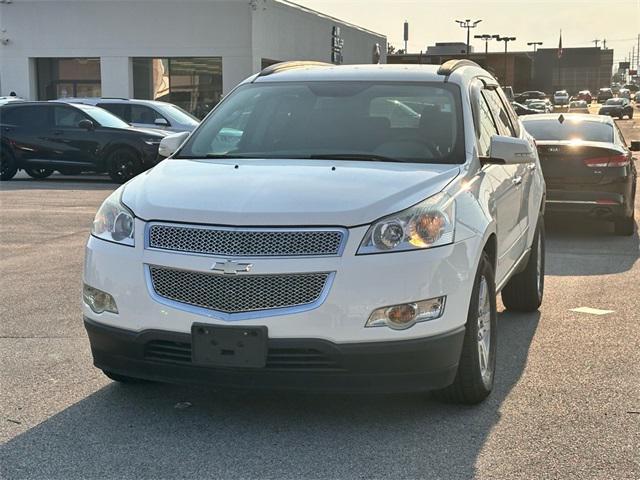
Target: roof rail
{"x":283,"y":66}
{"x":448,"y":67}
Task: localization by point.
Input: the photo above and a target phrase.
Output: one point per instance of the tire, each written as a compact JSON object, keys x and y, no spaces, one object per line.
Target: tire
{"x":476,"y":371}
{"x":123,"y":165}
{"x":524,"y":291}
{"x":8,"y":167}
{"x":38,"y":172}
{"x":116,"y":377}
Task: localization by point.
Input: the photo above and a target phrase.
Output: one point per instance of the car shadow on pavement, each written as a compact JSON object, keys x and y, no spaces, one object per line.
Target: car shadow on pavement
{"x":149,"y":431}
{"x":578,"y":246}
{"x":59,"y":182}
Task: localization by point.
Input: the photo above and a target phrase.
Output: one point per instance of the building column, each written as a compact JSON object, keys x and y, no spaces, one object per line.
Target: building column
{"x":116,"y":77}
{"x":18,"y":75}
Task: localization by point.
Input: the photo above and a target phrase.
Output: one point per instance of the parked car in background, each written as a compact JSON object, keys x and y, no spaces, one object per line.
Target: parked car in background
{"x":508,"y":91}
{"x":617,"y":107}
{"x":523,"y":109}
{"x":584,"y":95}
{"x":579,"y":106}
{"x":633,"y":88}
{"x":615,"y":88}
{"x":604,"y":94}
{"x":587,"y":167}
{"x":144,"y":113}
{"x":538,"y":106}
{"x":40,"y":137}
{"x":637,"y":99}
{"x":386,"y":287}
{"x":624,"y":93}
{"x":561,"y":97}
{"x":530,"y":95}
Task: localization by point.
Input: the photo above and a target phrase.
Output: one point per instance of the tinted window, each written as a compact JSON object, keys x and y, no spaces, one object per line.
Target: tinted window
{"x":67,"y":117}
{"x":615,"y":101}
{"x":513,"y":116}
{"x":570,"y":129}
{"x":143,"y":114}
{"x":487,"y":128}
{"x":102,"y":117}
{"x":499,"y":113}
{"x":118,"y":109}
{"x":29,"y":116}
{"x":414,"y":122}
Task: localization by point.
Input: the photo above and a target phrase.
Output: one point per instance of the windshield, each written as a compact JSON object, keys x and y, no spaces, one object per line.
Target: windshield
{"x":103,"y":117}
{"x":614,"y":101}
{"x":570,"y":129}
{"x":410,"y":122}
{"x":177,"y":114}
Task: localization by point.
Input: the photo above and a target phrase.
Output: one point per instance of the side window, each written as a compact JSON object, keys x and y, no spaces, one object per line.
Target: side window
{"x":118,"y":109}
{"x":30,"y":116}
{"x":513,"y":116}
{"x":487,"y":127}
{"x":67,"y":117}
{"x":499,"y":113}
{"x":143,"y":114}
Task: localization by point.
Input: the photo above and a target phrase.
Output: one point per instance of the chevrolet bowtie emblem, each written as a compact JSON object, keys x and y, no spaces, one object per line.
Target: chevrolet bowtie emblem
{"x":229,"y":267}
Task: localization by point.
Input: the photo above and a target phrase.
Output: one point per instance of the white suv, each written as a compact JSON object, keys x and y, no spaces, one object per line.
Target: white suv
{"x":332,"y":241}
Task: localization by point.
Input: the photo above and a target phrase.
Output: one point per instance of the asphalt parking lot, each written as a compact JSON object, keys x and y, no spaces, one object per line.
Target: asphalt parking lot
{"x":566,"y":403}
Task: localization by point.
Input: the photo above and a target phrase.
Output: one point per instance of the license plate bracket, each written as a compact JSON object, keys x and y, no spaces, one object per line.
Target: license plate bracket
{"x":229,"y":346}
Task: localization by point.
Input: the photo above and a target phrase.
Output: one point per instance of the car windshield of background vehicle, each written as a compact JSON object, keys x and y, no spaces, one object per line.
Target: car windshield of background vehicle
{"x":569,"y":130}
{"x":104,"y":118}
{"x":178,"y":114}
{"x":406,"y":122}
{"x":614,"y":101}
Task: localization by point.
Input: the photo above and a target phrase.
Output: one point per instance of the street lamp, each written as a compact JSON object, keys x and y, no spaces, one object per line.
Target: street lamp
{"x":468,"y":24}
{"x":535,"y":46}
{"x":486,"y":37}
{"x":506,"y":41}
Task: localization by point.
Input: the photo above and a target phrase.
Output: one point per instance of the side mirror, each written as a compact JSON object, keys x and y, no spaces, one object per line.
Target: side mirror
{"x":171,"y":143}
{"x":161,"y":121}
{"x":510,"y":151}
{"x":635,"y":146}
{"x":86,"y":124}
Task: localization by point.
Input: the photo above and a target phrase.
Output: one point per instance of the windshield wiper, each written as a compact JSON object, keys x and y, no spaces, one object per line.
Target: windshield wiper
{"x":212,"y":155}
{"x":354,"y":156}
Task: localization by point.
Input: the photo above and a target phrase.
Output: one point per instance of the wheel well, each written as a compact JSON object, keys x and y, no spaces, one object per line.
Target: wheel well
{"x":115,"y":148}
{"x":491,"y":249}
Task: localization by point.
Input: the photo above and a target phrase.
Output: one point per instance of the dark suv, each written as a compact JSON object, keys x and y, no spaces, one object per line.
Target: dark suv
{"x":40,"y":137}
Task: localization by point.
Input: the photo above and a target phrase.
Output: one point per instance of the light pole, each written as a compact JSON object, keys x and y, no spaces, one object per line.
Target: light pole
{"x":535,"y":50}
{"x":468,"y":24}
{"x":506,"y":41}
{"x":486,"y":37}
{"x":535,"y":46}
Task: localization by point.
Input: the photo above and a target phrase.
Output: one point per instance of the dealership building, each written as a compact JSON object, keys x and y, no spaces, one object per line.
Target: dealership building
{"x":188,"y":52}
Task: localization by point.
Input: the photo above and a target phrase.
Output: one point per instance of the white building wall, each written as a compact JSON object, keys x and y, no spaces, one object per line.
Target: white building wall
{"x":242,"y":32}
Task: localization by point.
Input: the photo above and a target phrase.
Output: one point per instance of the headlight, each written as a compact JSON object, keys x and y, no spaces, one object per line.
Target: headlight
{"x":152,"y":141}
{"x":428,"y":224}
{"x":114,"y":222}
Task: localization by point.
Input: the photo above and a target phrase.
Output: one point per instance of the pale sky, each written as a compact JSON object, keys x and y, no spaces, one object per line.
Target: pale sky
{"x":581,"y":21}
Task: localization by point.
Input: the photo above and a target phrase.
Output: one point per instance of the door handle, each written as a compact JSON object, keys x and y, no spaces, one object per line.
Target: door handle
{"x":517,"y":180}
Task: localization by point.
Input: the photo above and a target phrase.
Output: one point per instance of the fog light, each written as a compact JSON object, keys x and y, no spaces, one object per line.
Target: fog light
{"x":403,"y":316}
{"x":98,"y":301}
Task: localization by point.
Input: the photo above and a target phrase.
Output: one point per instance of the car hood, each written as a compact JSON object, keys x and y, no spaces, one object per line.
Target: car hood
{"x":150,"y":131}
{"x":281,"y":192}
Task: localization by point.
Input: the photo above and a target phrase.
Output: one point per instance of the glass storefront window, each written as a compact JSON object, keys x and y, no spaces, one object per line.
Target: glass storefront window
{"x":68,"y":77}
{"x":193,"y":83}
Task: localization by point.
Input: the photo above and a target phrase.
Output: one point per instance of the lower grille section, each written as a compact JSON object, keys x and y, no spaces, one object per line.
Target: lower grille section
{"x":238,"y":293}
{"x":290,"y":359}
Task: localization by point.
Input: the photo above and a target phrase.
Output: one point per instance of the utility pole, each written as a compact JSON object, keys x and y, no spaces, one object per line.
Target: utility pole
{"x":486,"y":37}
{"x":468,"y":24}
{"x":506,"y":41}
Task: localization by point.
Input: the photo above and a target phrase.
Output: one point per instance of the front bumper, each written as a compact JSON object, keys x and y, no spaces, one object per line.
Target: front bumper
{"x":292,"y":364}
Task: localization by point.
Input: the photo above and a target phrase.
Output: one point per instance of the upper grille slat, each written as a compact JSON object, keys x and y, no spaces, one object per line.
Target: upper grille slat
{"x":235,"y":294}
{"x":245,"y":243}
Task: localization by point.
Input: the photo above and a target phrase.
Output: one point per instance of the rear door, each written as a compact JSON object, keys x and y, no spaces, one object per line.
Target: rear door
{"x":24,"y":126}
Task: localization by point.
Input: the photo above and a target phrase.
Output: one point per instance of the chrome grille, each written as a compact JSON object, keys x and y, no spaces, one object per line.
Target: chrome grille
{"x":245,"y":243}
{"x":237,"y":293}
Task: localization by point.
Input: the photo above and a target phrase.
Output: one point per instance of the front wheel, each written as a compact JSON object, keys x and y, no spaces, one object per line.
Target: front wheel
{"x":524,"y":291}
{"x":474,"y":379}
{"x":8,"y":168}
{"x":123,"y":165}
{"x":38,"y":172}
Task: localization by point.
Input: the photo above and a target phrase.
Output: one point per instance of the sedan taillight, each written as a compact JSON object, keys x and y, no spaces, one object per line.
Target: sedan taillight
{"x":602,"y":162}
